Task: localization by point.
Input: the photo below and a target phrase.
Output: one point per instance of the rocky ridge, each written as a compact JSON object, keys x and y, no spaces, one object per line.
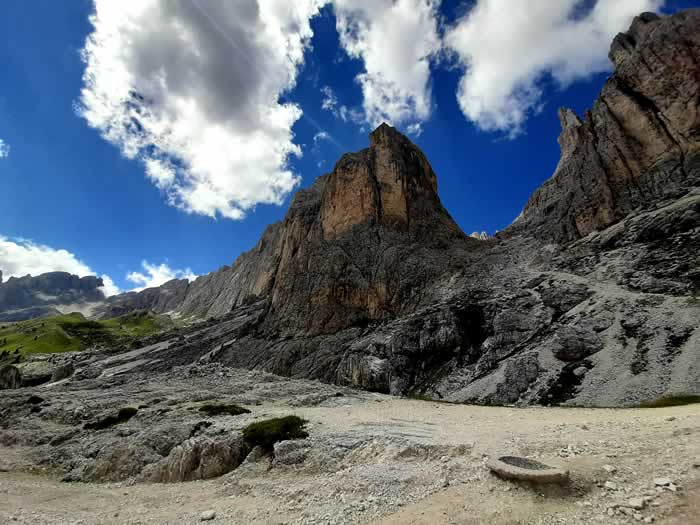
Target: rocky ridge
{"x":51,"y":293}
{"x":638,"y":145}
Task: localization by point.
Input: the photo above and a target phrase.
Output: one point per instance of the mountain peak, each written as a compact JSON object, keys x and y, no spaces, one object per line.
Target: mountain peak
{"x":391,"y":183}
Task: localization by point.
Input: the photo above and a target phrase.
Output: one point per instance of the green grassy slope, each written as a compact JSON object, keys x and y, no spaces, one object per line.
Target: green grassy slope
{"x":71,"y":332}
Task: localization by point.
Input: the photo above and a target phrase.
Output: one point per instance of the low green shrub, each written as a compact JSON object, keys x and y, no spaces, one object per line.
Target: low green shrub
{"x":266,"y":433}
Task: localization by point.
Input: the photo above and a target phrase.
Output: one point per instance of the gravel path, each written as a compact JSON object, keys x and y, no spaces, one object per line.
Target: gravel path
{"x":388,"y":461}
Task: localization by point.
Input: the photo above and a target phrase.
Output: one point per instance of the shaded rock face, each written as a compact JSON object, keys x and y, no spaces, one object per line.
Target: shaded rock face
{"x":638,"y":144}
{"x":30,"y":297}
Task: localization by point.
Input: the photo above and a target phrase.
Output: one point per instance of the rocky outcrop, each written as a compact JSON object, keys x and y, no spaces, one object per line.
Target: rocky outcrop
{"x":40,"y":296}
{"x":361,"y":244}
{"x":640,"y":142}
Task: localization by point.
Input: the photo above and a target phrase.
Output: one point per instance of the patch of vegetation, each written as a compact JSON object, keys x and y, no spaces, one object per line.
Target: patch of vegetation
{"x":223,"y":410}
{"x":266,"y":433}
{"x":72,"y":332}
{"x":672,"y":401}
{"x":124,"y":415}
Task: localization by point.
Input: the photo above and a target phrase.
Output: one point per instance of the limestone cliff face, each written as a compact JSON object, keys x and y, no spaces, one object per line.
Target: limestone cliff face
{"x":356,"y":246}
{"x":391,"y":183}
{"x":638,"y":144}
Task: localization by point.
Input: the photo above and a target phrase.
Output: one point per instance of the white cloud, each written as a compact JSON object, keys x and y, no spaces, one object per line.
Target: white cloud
{"x":508,"y":48}
{"x":395,"y":39}
{"x":109,"y":287}
{"x":192,"y":89}
{"x":321,"y":135}
{"x":4,"y":149}
{"x":155,"y":275}
{"x":415,"y":129}
{"x":329,"y":102}
{"x":20,"y":257}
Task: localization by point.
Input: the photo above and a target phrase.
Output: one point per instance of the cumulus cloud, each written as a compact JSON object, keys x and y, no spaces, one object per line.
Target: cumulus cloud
{"x":109,"y":288}
{"x":509,"y":48}
{"x":4,"y":149}
{"x":395,"y":39}
{"x":192,"y":89}
{"x":20,"y":257}
{"x":155,"y":275}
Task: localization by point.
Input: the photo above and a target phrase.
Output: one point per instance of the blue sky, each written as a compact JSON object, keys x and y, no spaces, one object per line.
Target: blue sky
{"x":66,"y":188}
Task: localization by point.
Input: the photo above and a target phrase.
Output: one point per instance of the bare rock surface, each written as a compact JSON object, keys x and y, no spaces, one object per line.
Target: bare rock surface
{"x":368,"y":458}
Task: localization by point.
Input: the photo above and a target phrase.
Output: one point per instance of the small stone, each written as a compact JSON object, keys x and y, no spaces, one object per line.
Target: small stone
{"x":580,"y":371}
{"x":649,"y":519}
{"x":662,"y":482}
{"x":672,"y":487}
{"x":670,"y":418}
{"x":444,"y":483}
{"x":609,"y":469}
{"x":636,"y":503}
{"x":610,"y":485}
{"x":638,"y":517}
{"x":207,"y":515}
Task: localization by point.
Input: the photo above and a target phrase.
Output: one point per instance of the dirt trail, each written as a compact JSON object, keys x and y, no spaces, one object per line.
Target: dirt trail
{"x":382,"y":483}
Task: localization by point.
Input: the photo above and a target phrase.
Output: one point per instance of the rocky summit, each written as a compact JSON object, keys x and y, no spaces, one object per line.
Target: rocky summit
{"x":589,"y":298}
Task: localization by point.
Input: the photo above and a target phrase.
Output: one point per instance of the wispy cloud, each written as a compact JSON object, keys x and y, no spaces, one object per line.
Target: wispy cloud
{"x":4,"y":149}
{"x":321,"y":135}
{"x":329,"y":102}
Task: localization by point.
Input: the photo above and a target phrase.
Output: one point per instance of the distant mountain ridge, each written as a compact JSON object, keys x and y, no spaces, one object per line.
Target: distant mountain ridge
{"x":29,"y":297}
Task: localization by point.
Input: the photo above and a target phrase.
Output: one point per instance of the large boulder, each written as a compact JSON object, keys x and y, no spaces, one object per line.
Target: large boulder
{"x":200,"y":457}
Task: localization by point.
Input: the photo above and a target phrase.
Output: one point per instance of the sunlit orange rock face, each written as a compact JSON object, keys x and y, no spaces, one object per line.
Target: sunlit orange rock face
{"x":391,"y":183}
